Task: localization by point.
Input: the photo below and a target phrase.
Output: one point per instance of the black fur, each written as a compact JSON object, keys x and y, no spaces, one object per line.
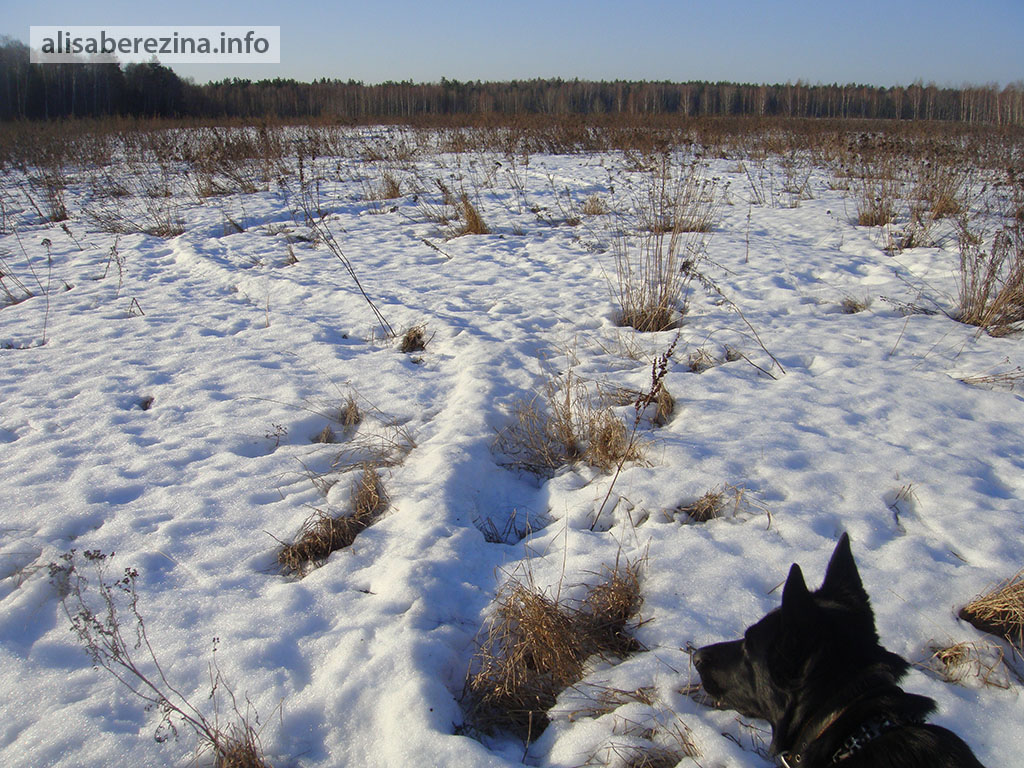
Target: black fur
{"x":815,"y":670}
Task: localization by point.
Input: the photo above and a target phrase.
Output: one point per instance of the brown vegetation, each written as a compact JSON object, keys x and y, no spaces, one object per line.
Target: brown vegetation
{"x":534,"y":647}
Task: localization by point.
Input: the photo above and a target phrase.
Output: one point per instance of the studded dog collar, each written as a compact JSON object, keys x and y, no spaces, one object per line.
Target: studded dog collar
{"x":867,"y":732}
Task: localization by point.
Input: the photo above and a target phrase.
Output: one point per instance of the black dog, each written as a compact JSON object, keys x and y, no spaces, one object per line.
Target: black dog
{"x":815,"y":670}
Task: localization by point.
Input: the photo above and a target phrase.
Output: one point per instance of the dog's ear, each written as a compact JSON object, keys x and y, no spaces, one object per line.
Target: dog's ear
{"x":797,"y":604}
{"x":842,"y":580}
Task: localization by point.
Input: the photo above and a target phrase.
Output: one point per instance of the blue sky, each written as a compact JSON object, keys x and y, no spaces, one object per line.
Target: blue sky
{"x":880,"y":42}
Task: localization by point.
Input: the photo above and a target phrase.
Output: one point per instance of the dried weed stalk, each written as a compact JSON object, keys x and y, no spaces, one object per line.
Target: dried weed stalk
{"x":659,"y":369}
{"x":106,"y":618}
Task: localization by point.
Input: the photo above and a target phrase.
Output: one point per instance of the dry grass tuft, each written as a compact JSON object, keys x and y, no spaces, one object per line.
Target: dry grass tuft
{"x":875,"y":211}
{"x":414,"y":339}
{"x":595,"y":206}
{"x":1002,"y":380}
{"x":325,"y":435}
{"x":515,"y":527}
{"x":650,"y":283}
{"x":653,"y":276}
{"x":535,"y":647}
{"x":959,"y":662}
{"x":991,"y":288}
{"x":664,"y":407}
{"x":473,"y":222}
{"x":602,"y":700}
{"x":571,"y":426}
{"x":852,"y":306}
{"x":608,"y":442}
{"x":633,"y":756}
{"x":940,"y":187}
{"x":390,"y":188}
{"x":239,"y":748}
{"x":607,"y":608}
{"x":529,"y":655}
{"x":322,"y":533}
{"x":878,"y":190}
{"x":368,"y":497}
{"x":663,"y":402}
{"x":707,"y":507}
{"x":716,"y":503}
{"x":653,"y":744}
{"x":1000,"y":611}
{"x":349,"y":415}
{"x":700,"y":360}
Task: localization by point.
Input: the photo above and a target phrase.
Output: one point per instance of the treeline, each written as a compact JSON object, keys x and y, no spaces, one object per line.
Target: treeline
{"x":150,"y":90}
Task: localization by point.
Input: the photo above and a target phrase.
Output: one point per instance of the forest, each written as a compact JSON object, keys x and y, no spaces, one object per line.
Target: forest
{"x":92,"y":90}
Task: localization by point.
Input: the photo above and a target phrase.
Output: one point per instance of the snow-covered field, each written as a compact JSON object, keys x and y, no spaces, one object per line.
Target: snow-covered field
{"x":159,"y":396}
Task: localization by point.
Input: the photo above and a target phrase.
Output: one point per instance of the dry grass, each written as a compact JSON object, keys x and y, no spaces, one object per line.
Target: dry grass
{"x":646,"y":755}
{"x":875,"y":208}
{"x":1000,"y":611}
{"x":657,"y":739}
{"x":991,"y":286}
{"x":572,"y":426}
{"x":878,"y":191}
{"x":650,"y":284}
{"x":368,"y":497}
{"x":390,"y":187}
{"x":675,"y":197}
{"x":349,"y":415}
{"x":534,"y":648}
{"x":325,"y":435}
{"x":852,"y":306}
{"x":726,"y":500}
{"x":1000,"y":380}
{"x":595,"y":206}
{"x":604,"y":614}
{"x":238,"y":748}
{"x":941,"y":187}
{"x":415,"y":339}
{"x":674,"y":212}
{"x":700,"y":360}
{"x":707,"y":507}
{"x":664,"y":405}
{"x":516,"y":526}
{"x":323,"y":533}
{"x":602,"y":699}
{"x":473,"y":222}
{"x":342,"y":423}
{"x":961,"y":662}
{"x":386,"y":446}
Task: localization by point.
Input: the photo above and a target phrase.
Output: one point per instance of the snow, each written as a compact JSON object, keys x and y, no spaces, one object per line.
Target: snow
{"x":863,"y":425}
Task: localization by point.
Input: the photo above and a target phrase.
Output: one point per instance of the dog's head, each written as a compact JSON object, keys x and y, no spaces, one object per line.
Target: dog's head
{"x":803,"y":651}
